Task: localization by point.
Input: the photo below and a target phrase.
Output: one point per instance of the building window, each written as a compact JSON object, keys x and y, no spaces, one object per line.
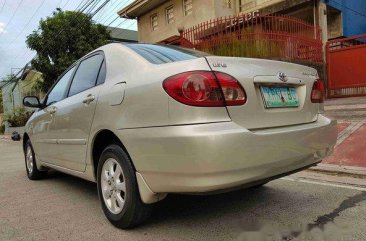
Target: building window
{"x":187,"y":7}
{"x":228,"y":3}
{"x":169,"y":11}
{"x":154,"y":22}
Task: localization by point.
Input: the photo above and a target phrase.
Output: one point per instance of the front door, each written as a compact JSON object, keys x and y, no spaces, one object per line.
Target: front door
{"x":44,"y":139}
{"x":74,"y":115}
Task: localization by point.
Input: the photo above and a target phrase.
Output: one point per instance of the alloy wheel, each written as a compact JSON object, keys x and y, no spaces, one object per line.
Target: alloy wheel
{"x":113,"y":186}
{"x":29,"y":159}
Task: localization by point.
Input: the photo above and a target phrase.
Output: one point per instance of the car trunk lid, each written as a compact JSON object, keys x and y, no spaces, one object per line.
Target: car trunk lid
{"x":272,"y":100}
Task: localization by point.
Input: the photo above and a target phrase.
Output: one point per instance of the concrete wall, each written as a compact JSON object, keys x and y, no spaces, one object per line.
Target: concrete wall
{"x":353,"y":15}
{"x":203,"y":10}
{"x":335,"y":23}
{"x":252,"y":5}
{"x":222,"y":10}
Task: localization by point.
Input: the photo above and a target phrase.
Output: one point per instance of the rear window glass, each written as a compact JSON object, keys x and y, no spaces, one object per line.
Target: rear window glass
{"x":161,"y":54}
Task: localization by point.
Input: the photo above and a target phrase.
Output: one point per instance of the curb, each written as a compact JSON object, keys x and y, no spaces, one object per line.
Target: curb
{"x":336,"y":169}
{"x":344,"y":107}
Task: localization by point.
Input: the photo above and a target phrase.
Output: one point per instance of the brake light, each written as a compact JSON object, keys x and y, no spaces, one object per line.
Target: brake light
{"x":234,"y":93}
{"x":205,"y":88}
{"x":318,"y":92}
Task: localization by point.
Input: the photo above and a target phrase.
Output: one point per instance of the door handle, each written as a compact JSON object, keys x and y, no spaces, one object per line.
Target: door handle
{"x":89,"y":98}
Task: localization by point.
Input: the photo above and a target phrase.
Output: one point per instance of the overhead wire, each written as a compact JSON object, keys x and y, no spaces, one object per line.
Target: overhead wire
{"x":27,"y":24}
{"x":113,"y":21}
{"x":99,"y":8}
{"x":80,"y":4}
{"x":112,"y":5}
{"x":81,"y":7}
{"x":12,"y":17}
{"x":2,"y":6}
{"x":101,"y":13}
{"x":113,"y":9}
{"x":92,"y":7}
{"x":66,"y":4}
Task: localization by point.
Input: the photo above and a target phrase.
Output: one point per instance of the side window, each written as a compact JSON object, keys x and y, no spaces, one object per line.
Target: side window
{"x":102,"y":74}
{"x":86,"y":75}
{"x":59,"y":90}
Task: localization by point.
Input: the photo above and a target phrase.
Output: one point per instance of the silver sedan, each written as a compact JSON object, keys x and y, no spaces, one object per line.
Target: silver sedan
{"x":143,"y":121}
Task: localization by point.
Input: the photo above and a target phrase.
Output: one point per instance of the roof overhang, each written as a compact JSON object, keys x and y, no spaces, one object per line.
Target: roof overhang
{"x":139,"y":7}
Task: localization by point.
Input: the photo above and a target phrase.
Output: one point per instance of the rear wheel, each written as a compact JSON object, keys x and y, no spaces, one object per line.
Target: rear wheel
{"x":30,"y":163}
{"x":118,"y":191}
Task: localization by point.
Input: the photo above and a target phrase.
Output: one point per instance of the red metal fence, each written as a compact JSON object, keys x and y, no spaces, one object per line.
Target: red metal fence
{"x":346,"y":62}
{"x":276,"y":37}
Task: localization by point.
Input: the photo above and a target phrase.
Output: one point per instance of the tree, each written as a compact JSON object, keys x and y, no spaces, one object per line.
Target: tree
{"x":62,"y":39}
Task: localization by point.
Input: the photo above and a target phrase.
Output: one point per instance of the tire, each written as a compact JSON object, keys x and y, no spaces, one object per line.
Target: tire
{"x":30,"y":163}
{"x":132,"y":211}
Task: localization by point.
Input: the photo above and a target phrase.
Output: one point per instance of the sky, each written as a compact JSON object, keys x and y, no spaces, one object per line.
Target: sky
{"x":19,"y":18}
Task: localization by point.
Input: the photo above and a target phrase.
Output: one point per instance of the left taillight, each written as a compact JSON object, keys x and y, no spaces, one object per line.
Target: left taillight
{"x":205,"y":88}
{"x":318,"y":92}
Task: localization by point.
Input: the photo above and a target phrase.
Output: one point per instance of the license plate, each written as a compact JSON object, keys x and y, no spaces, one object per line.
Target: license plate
{"x":279,"y":97}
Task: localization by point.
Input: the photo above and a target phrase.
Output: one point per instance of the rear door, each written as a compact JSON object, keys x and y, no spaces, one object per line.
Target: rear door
{"x":278,"y":93}
{"x":74,"y":115}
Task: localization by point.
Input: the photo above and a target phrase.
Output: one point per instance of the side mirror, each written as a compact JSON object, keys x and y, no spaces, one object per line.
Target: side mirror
{"x":32,"y":101}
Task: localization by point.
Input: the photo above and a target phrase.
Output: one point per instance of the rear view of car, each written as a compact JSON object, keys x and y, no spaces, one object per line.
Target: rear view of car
{"x":173,"y":120}
{"x":232,"y":122}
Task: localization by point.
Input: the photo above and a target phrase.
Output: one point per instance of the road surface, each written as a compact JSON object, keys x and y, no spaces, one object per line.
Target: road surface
{"x":66,"y":208}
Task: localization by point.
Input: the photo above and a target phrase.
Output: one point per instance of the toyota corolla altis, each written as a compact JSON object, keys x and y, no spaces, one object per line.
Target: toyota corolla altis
{"x":143,"y":121}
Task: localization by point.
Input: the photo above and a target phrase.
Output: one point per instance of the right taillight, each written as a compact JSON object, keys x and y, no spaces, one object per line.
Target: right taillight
{"x":205,"y":88}
{"x":318,"y":92}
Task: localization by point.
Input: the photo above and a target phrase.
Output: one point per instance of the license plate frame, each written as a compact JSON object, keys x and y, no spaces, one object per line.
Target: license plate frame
{"x":279,"y":97}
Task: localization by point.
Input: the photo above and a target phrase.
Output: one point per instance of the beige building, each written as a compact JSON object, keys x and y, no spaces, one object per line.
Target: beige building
{"x":161,"y":20}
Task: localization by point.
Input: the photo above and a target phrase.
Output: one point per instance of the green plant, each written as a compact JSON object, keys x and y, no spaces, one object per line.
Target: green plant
{"x":17,"y":118}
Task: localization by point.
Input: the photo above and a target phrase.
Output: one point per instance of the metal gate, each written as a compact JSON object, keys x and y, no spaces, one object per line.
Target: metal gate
{"x":252,"y":35}
{"x":346,"y":65}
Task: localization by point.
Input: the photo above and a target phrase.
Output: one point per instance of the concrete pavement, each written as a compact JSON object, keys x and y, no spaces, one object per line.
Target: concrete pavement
{"x":62,"y":207}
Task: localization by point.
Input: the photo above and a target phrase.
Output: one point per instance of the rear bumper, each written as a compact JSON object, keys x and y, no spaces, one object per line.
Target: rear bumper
{"x":218,"y":156}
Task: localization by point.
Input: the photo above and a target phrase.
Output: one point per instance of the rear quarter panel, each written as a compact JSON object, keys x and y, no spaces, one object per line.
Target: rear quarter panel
{"x":145,"y":102}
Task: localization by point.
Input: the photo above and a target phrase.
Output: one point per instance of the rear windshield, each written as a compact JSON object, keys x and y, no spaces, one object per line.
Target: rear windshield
{"x":161,"y":54}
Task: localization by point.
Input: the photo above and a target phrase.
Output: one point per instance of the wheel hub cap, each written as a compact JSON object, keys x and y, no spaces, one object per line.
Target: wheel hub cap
{"x":113,"y":186}
{"x":29,"y":160}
